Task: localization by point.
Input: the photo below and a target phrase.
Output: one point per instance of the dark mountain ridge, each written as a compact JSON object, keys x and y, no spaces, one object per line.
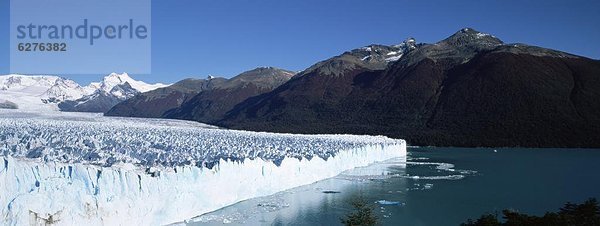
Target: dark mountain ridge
{"x":155,"y":103}
{"x":470,"y":89}
{"x":204,"y":100}
{"x":211,"y":105}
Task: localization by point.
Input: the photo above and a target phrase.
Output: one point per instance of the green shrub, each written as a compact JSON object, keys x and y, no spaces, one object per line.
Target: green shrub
{"x":362,"y":216}
{"x":586,"y":214}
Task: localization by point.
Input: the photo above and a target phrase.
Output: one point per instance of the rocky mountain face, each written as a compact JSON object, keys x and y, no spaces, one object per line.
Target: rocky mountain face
{"x":205,"y":100}
{"x":470,"y":89}
{"x":211,"y":105}
{"x":154,"y":104}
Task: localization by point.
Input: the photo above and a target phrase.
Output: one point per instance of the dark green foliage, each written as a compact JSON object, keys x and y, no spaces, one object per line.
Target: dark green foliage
{"x":362,"y":216}
{"x":586,"y":214}
{"x":484,"y":220}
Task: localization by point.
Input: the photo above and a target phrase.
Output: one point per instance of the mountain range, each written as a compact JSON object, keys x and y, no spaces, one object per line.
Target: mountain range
{"x":52,"y":93}
{"x":204,"y":100}
{"x":469,"y":89}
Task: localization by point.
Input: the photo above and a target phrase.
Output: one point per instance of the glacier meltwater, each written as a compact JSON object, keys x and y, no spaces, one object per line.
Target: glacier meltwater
{"x":86,"y":169}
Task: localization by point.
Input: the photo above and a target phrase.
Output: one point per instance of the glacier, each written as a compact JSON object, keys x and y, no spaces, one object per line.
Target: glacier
{"x":79,"y":168}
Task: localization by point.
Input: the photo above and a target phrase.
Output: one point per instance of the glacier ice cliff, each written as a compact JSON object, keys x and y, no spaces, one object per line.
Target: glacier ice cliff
{"x":68,"y":169}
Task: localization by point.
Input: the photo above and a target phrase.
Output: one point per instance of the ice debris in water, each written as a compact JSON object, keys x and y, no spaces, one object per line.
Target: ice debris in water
{"x":387,"y":202}
{"x":440,"y":167}
{"x":265,"y":205}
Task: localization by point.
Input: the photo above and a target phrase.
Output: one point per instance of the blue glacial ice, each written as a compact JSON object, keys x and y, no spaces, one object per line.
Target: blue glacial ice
{"x":66,"y":168}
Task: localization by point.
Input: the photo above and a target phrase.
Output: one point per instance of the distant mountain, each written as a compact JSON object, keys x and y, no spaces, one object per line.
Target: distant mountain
{"x":53,"y":93}
{"x":5,"y":104}
{"x":203,"y":100}
{"x":38,"y":93}
{"x":100,"y":100}
{"x":155,"y":103}
{"x":470,"y":89}
{"x":113,"y":89}
{"x":211,"y":105}
{"x":115,"y":79}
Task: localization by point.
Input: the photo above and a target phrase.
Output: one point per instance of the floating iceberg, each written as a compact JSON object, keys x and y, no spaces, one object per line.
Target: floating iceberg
{"x":386,"y":202}
{"x":86,"y":169}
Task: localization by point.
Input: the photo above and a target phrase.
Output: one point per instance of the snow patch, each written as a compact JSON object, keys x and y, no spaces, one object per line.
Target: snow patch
{"x":482,"y":35}
{"x":394,"y":58}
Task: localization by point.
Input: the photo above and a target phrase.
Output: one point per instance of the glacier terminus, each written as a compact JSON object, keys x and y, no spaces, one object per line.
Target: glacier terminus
{"x":60,"y":168}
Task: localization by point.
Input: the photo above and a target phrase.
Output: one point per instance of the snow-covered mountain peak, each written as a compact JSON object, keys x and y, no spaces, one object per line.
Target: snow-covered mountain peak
{"x":35,"y":92}
{"x":377,"y":53}
{"x":16,"y":81}
{"x":407,"y":42}
{"x":475,"y":33}
{"x":45,"y":92}
{"x":65,"y":89}
{"x":123,"y":75}
{"x":112,"y":80}
{"x":407,"y":45}
{"x":124,"y":90}
{"x":115,"y":79}
{"x":471,"y":37}
{"x":44,"y":86}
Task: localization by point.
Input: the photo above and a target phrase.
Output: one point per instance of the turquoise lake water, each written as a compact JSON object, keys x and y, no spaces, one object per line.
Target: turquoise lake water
{"x":432,"y":186}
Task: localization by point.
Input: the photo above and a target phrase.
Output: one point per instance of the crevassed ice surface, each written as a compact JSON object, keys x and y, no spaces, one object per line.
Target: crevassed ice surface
{"x":73,"y":168}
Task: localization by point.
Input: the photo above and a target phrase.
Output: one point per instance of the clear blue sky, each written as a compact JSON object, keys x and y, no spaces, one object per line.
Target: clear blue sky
{"x":195,"y":38}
